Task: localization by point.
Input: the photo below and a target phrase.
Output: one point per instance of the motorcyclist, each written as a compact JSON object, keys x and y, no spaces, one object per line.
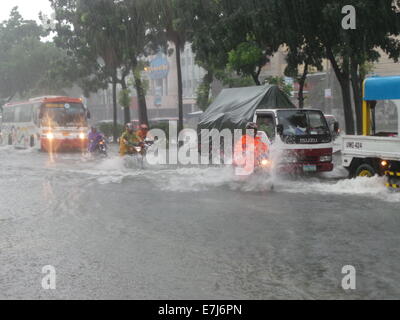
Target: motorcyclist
{"x":249,"y":143}
{"x":94,"y":139}
{"x":142,"y":132}
{"x":128,"y":140}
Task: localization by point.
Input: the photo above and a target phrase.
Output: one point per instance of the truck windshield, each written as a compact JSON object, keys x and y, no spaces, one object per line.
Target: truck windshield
{"x":304,"y":124}
{"x":64,"y":115}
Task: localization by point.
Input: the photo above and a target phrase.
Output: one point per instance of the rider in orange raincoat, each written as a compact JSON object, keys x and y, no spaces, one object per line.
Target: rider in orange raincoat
{"x":249,"y":149}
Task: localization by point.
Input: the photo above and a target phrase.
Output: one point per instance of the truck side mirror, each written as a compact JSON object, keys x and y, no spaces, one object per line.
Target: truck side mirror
{"x":336,"y":127}
{"x":279,"y":129}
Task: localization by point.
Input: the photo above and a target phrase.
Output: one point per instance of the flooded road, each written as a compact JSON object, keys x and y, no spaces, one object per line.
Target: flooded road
{"x":114,"y":232}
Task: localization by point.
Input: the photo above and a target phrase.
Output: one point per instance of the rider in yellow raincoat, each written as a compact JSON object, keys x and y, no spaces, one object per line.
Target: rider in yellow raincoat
{"x":128,"y":139}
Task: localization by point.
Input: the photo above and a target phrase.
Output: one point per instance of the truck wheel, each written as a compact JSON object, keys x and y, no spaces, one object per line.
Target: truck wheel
{"x":365,"y":170}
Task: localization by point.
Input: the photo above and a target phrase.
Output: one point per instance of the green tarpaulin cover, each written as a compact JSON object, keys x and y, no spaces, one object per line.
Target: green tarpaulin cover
{"x":234,"y":108}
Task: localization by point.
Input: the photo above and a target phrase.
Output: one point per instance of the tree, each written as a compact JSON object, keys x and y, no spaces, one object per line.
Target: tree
{"x":233,"y":34}
{"x":137,"y":21}
{"x":93,"y":34}
{"x":301,"y":54}
{"x":319,"y":23}
{"x":281,"y":83}
{"x":245,"y":57}
{"x":169,"y":22}
{"x":27,"y":64}
{"x":211,"y":57}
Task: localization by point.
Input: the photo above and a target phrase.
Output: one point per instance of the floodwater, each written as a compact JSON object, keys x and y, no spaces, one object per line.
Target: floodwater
{"x":114,"y":231}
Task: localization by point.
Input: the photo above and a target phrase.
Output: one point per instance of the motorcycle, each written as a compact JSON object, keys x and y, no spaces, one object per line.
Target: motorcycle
{"x":262,"y":172}
{"x":264,"y":167}
{"x":138,"y":151}
{"x":100,"y":147}
{"x":263,"y":164}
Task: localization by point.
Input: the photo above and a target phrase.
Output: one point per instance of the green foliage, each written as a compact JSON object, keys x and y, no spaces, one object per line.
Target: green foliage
{"x":313,"y":29}
{"x":234,"y":35}
{"x":203,"y":96}
{"x":281,"y":83}
{"x":125,"y":98}
{"x":27,"y":64}
{"x":246,"y":57}
{"x":233,"y":81}
{"x":107,"y":128}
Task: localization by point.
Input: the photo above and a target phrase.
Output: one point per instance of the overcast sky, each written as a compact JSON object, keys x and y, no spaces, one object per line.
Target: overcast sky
{"x":29,"y":9}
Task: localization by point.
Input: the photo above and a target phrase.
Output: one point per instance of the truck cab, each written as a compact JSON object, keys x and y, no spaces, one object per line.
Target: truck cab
{"x":302,"y":137}
{"x":377,"y":150}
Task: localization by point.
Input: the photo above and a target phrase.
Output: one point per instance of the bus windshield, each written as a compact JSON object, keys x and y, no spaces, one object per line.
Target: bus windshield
{"x":304,"y":124}
{"x":63,"y":115}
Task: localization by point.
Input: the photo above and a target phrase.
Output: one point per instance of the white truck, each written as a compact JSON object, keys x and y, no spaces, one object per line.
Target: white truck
{"x":304,"y":137}
{"x":375,"y":152}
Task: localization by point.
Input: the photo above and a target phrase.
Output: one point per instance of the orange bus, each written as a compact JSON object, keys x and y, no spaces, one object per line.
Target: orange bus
{"x":48,"y":123}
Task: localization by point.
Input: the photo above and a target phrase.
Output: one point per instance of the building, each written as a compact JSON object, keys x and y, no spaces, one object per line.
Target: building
{"x":162,"y":93}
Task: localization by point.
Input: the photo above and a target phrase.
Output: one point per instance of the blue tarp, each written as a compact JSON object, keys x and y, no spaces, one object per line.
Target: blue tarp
{"x":382,"y":88}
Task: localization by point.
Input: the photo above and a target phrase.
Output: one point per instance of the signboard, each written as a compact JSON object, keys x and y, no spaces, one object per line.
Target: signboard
{"x":328,"y":93}
{"x":159,"y":68}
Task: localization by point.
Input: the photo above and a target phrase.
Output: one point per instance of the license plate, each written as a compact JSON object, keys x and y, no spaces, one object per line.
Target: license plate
{"x":310,"y":168}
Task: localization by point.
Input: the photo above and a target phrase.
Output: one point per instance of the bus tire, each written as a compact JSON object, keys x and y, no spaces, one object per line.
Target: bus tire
{"x":365,"y":170}
{"x":10,"y":140}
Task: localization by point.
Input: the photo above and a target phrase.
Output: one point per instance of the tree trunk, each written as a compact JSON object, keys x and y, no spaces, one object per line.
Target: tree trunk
{"x":127,"y":111}
{"x":203,"y":95}
{"x":180,"y":89}
{"x":356,"y":83}
{"x":115,"y":109}
{"x":302,"y":82}
{"x":143,"y":117}
{"x":256,"y":80}
{"x":348,"y":109}
{"x":256,"y":76}
{"x":344,"y":81}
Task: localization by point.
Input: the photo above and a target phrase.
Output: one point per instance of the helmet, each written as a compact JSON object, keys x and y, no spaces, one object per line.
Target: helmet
{"x":93,"y":128}
{"x":129,"y":127}
{"x":251,"y":126}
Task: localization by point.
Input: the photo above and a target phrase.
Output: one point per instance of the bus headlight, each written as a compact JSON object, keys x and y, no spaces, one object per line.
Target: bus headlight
{"x":82,"y":136}
{"x":50,"y":136}
{"x":325,"y":159}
